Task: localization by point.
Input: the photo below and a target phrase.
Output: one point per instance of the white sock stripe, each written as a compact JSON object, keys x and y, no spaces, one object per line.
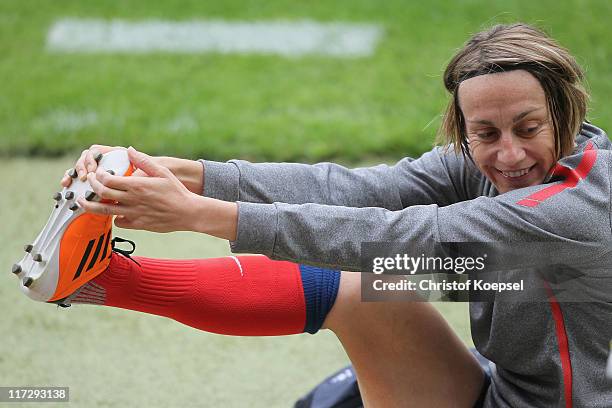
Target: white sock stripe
{"x":289,"y":38}
{"x":90,"y":289}
{"x":93,"y":294}
{"x":86,"y":300}
{"x":86,"y":292}
{"x":90,"y":293}
{"x":78,"y":297}
{"x":95,"y":285}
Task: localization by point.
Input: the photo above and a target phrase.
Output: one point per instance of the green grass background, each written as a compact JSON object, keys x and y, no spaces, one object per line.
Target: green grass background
{"x":263,"y":107}
{"x":253,"y":107}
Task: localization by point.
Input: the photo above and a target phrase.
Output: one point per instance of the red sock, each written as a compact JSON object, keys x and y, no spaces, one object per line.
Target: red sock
{"x":245,"y":295}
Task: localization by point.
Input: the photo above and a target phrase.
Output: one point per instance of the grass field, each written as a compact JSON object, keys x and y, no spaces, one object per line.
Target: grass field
{"x":114,"y":358}
{"x":257,"y":106}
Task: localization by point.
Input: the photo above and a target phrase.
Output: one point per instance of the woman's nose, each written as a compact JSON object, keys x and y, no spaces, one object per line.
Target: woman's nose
{"x":510,"y":151}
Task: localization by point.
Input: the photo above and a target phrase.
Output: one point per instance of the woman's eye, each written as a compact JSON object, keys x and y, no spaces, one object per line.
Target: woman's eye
{"x":485,"y":135}
{"x":529,"y":130}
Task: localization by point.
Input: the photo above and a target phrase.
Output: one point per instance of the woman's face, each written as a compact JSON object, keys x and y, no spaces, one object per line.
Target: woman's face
{"x":510,"y":135}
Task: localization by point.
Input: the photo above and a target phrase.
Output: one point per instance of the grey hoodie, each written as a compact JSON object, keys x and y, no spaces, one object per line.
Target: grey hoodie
{"x":545,"y":353}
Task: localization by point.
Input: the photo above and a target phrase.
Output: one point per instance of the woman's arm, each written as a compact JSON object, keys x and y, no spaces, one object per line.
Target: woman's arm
{"x":563,"y":212}
{"x":431,"y":179}
{"x":189,"y":172}
{"x":572,"y":211}
{"x":437,"y":177}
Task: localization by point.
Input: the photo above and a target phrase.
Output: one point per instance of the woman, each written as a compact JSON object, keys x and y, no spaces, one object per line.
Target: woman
{"x":522,"y":165}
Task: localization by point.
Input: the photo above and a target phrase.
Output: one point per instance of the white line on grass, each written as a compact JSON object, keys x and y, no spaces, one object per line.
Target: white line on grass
{"x":261,"y":37}
{"x":65,"y":121}
{"x":182,"y":124}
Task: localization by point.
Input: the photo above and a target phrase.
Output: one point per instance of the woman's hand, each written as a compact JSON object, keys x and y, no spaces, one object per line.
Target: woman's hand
{"x":158,"y":202}
{"x":87,"y":163}
{"x":189,"y":172}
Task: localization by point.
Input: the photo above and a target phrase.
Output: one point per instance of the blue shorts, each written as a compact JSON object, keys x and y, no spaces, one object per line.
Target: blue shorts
{"x":486,"y":367}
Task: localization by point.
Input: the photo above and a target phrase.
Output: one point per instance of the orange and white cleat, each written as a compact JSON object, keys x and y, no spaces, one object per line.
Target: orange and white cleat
{"x":74,"y":246}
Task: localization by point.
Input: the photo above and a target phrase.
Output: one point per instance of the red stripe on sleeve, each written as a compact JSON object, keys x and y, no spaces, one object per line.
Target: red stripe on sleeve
{"x":572,"y":177}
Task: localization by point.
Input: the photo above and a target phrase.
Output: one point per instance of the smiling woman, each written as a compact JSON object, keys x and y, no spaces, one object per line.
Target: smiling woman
{"x":519,"y":47}
{"x":517,"y":111}
{"x":509,"y":133}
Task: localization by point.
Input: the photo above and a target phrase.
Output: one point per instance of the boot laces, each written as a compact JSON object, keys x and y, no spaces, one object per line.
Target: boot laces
{"x":124,"y":252}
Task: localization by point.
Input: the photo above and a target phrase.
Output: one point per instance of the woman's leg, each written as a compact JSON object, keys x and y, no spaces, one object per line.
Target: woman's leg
{"x":404,"y":353}
{"x":237,"y":295}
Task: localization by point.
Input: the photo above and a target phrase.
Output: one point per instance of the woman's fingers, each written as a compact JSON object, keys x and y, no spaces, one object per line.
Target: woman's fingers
{"x":87,"y":163}
{"x":93,"y":155}
{"x":103,"y":208}
{"x":66,"y":179}
{"x":106,"y":192}
{"x":80,"y":166}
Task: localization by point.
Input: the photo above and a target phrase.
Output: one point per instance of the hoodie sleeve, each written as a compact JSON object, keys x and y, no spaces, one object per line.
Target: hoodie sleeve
{"x":574,"y":210}
{"x":434,"y":178}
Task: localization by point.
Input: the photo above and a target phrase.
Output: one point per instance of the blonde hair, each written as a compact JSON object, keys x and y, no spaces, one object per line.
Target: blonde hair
{"x":518,"y":46}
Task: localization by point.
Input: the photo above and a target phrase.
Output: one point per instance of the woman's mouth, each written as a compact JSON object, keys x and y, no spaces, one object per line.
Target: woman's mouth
{"x":515,"y":174}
